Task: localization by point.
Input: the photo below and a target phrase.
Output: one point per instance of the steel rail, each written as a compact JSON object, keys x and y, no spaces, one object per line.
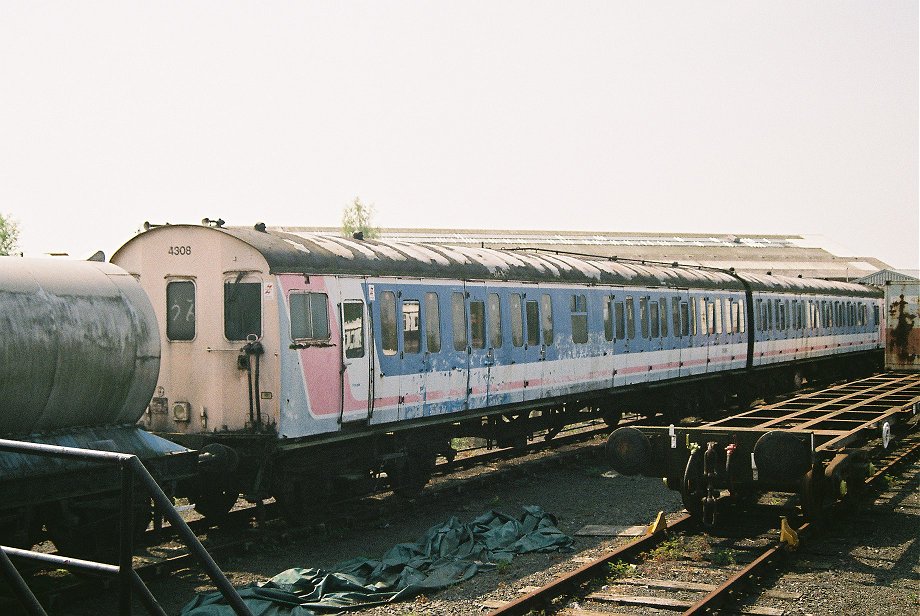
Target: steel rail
{"x":542,"y":597}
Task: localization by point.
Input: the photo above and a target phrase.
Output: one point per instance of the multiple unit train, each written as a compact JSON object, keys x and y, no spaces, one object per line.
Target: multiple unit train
{"x":314,"y":365}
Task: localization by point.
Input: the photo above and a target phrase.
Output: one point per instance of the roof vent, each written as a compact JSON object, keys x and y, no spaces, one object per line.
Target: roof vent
{"x":358,"y":235}
{"x":260,"y":227}
{"x":208,"y":222}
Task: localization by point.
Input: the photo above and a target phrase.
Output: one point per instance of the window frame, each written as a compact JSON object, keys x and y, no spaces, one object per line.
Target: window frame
{"x":190,"y":281}
{"x":432,"y":322}
{"x":346,"y":350}
{"x":242,"y":280}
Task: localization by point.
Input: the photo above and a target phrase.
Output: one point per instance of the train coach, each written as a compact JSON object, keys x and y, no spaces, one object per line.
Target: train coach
{"x":321,"y":365}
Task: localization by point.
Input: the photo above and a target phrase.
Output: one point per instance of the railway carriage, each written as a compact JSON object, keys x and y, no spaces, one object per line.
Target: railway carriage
{"x":317,"y":364}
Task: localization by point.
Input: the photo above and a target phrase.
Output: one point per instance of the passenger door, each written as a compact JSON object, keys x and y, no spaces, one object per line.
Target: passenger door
{"x":413,"y":364}
{"x":355,"y":360}
{"x":501,"y":381}
{"x":536,"y":383}
{"x":481,"y":356}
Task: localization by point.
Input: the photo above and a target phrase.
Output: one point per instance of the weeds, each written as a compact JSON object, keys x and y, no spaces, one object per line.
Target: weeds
{"x":689,"y":548}
{"x":722,"y":557}
{"x":619,"y":569}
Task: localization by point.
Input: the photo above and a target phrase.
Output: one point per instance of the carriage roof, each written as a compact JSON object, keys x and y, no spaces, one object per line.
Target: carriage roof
{"x":313,"y":253}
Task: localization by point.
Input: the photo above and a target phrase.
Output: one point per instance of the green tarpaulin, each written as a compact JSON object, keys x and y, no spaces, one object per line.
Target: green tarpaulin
{"x":447,"y":554}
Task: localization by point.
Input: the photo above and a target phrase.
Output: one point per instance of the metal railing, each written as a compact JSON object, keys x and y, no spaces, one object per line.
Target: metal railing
{"x":129,"y":582}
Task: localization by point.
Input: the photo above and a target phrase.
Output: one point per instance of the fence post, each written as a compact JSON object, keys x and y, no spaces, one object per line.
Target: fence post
{"x":126,"y":540}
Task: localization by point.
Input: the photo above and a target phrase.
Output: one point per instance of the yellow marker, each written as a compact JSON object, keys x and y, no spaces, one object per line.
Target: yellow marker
{"x":787,"y":535}
{"x":659,"y":525}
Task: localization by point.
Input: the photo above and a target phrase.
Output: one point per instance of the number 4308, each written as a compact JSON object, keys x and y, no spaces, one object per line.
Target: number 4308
{"x":180,"y":250}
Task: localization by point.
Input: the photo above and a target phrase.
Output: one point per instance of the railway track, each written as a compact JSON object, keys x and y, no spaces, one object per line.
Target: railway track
{"x":237,"y":534}
{"x":677,"y":567}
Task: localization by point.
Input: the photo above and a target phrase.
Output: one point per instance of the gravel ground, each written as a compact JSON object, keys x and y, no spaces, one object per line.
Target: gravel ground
{"x":869,"y":563}
{"x":577,"y":492}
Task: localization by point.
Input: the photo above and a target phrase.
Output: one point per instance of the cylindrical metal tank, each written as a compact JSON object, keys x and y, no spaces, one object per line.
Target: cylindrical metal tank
{"x":79,"y":345}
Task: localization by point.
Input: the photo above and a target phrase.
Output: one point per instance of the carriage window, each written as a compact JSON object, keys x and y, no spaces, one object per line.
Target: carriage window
{"x":693,"y":320}
{"x":242,"y":309}
{"x":495,"y":320}
{"x":619,"y":318}
{"x":388,"y":336}
{"x":180,"y":310}
{"x":309,"y":316}
{"x":546,"y":304}
{"x":517,"y":319}
{"x":727,"y":311}
{"x":875,"y":315}
{"x":579,"y":319}
{"x":353,"y":329}
{"x":714,"y":315}
{"x":412,"y":338}
{"x":630,"y":318}
{"x":432,"y":323}
{"x":675,"y":316}
{"x":533,"y":322}
{"x":685,"y":319}
{"x":653,"y":319}
{"x":663,"y":311}
{"x":704,"y":315}
{"x":643,"y":316}
{"x":458,"y":315}
{"x":478,"y":325}
{"x":608,"y":320}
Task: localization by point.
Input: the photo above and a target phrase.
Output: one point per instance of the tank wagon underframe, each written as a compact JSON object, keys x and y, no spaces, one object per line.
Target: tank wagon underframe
{"x":817,"y":445}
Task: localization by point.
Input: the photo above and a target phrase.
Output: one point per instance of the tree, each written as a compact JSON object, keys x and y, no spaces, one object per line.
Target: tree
{"x":358,"y":218}
{"x":9,"y":235}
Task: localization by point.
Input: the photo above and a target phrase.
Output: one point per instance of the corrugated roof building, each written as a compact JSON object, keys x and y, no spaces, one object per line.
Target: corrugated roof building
{"x":883,"y":277}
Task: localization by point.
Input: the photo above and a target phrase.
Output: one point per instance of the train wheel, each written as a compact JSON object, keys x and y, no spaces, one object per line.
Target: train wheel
{"x":218,"y":489}
{"x":811,"y":495}
{"x":693,"y":486}
{"x":612,"y":417}
{"x":215,"y":501}
{"x":301,"y":499}
{"x":409,"y":476}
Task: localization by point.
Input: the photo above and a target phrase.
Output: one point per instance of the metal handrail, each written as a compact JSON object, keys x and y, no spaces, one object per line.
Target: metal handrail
{"x":131,"y":468}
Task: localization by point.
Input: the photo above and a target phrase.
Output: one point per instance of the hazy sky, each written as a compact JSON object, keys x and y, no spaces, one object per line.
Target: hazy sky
{"x":747,"y":117}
